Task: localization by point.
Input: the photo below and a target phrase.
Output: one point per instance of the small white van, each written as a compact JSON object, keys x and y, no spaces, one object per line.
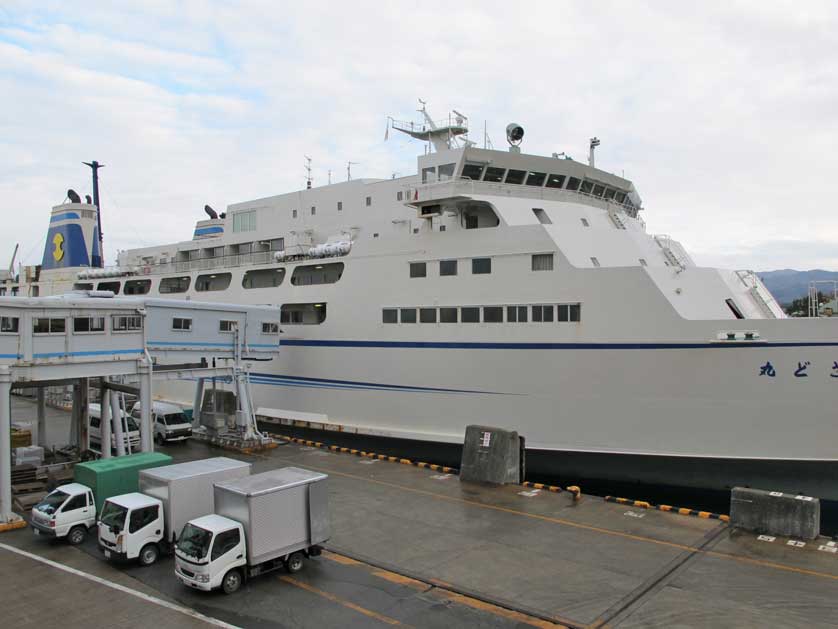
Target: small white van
{"x":68,"y":511}
{"x":170,"y":422}
{"x":131,"y":438}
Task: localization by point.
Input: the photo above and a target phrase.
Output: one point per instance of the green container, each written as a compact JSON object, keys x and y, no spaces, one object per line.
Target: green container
{"x":118,"y":475}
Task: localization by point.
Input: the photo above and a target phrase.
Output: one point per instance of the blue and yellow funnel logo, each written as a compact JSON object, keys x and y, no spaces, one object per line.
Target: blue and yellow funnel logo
{"x":65,"y":247}
{"x":58,"y":247}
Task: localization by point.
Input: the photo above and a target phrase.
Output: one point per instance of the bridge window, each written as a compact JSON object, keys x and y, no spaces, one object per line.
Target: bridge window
{"x":446,"y":171}
{"x":263,"y":278}
{"x":181,"y":324}
{"x":609,"y":193}
{"x":213,"y":282}
{"x":111,"y":286}
{"x":447,"y":267}
{"x":536,"y":179}
{"x":46,"y":325}
{"x":429,"y":174}
{"x":555,"y":181}
{"x":172,"y":285}
{"x":515,"y":176}
{"x":470,"y":314}
{"x":599,"y":190}
{"x":270,"y":327}
{"x":472,"y":171}
{"x":418,"y":269}
{"x":303,"y":314}
{"x":494,"y":174}
{"x":448,"y":315}
{"x":9,"y":325}
{"x":88,"y":324}
{"x":587,"y":187}
{"x":407,"y":315}
{"x":620,"y":196}
{"x":126,"y":323}
{"x":389,"y":315}
{"x":311,"y":274}
{"x":226,"y":326}
{"x":481,"y":266}
{"x":573,"y":183}
{"x":542,"y":262}
{"x":137,"y":287}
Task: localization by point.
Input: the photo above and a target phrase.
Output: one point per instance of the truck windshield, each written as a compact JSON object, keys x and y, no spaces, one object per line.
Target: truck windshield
{"x":194,"y":541}
{"x":175,"y":418}
{"x":113,"y":515}
{"x":132,"y":425}
{"x":51,"y":502}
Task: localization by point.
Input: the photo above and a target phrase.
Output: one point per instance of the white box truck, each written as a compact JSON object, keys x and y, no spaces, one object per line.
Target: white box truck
{"x":68,"y":511}
{"x":261,"y":523}
{"x":169,"y":497}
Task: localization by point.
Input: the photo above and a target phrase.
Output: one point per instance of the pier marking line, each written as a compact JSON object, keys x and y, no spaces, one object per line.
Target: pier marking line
{"x":121,"y":588}
{"x":579,"y":525}
{"x":342,"y":601}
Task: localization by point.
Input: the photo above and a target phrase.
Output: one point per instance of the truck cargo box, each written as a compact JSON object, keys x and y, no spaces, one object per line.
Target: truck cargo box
{"x":282,"y":511}
{"x":186,"y":489}
{"x":118,"y":475}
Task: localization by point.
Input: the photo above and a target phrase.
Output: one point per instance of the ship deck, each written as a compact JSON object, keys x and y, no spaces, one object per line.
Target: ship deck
{"x":417,"y":547}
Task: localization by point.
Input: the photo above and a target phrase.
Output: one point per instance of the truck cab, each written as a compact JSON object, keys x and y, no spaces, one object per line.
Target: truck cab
{"x":131,"y":436}
{"x":169,"y":420}
{"x":211,"y":553}
{"x":68,"y":511}
{"x":131,"y":527}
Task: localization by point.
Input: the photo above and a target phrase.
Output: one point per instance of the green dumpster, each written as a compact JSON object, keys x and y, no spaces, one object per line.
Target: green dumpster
{"x":118,"y":475}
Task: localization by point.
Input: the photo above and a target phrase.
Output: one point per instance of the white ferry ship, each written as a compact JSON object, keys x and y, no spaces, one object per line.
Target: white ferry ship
{"x":506,"y":289}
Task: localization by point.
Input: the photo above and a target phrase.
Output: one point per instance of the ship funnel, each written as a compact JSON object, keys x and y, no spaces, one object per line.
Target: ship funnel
{"x":210,"y":212}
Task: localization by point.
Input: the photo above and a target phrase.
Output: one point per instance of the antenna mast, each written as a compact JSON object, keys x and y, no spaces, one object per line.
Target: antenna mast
{"x":594,"y":144}
{"x":308,"y":172}
{"x":95,"y":166}
{"x":349,"y":169}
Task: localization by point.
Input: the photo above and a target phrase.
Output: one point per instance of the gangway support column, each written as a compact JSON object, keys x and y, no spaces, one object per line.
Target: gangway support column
{"x":119,"y":422}
{"x":196,"y":404}
{"x":41,"y":392}
{"x":105,"y":423}
{"x":146,"y":427}
{"x":6,"y":514}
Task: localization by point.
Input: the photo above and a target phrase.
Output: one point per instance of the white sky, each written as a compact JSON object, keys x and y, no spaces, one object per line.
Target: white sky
{"x":724,"y":116}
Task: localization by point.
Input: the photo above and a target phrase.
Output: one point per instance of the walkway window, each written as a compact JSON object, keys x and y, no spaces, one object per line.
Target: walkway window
{"x":213,"y":282}
{"x":407,"y":315}
{"x":312,"y":274}
{"x":389,"y":315}
{"x":45,"y":325}
{"x":427,"y":315}
{"x":9,"y":325}
{"x":493,"y":314}
{"x":226,"y":326}
{"x":181,"y":324}
{"x":418,"y":269}
{"x":448,"y":315}
{"x":126,"y":323}
{"x":303,"y":314}
{"x":481,"y":266}
{"x":263,"y":278}
{"x":170,"y":285}
{"x":88,"y":324}
{"x":447,"y":267}
{"x":470,"y":314}
{"x":137,"y":287}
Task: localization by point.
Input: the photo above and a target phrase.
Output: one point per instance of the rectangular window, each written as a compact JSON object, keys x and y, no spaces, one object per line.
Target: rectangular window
{"x":226,"y":326}
{"x":470,"y":314}
{"x":472,"y":171}
{"x":642,"y":262}
{"x":270,"y":327}
{"x":313,"y":274}
{"x":244,"y":221}
{"x":293,"y":213}
{"x":536,"y":179}
{"x":389,"y":315}
{"x":399,"y":196}
{"x":313,"y":210}
{"x":126,"y":323}
{"x":587,"y":187}
{"x":340,"y":206}
{"x":537,"y":314}
{"x":182,"y":324}
{"x":481,"y":266}
{"x":555,"y":181}
{"x":88,"y":324}
{"x":427,"y":315}
{"x":137,"y":287}
{"x":45,"y":325}
{"x":573,"y":183}
{"x":620,"y":196}
{"x":9,"y":325}
{"x":585,"y":222}
{"x":595,"y":262}
{"x":447,"y":267}
{"x":515,"y":176}
{"x":609,"y":193}
{"x":575,"y":312}
{"x":516,"y":314}
{"x":213,"y":282}
{"x":263,"y":278}
{"x":598,"y":190}
{"x":493,"y":314}
{"x":446,"y":171}
{"x":547,"y":313}
{"x":429,"y":174}
{"x":303,"y":314}
{"x":494,"y":174}
{"x":418,"y":269}
{"x":542,"y":262}
{"x":541,"y":215}
{"x":369,"y":201}
{"x":169,"y":285}
{"x":568,"y":313}
{"x":448,"y":315}
{"x":407,"y":315}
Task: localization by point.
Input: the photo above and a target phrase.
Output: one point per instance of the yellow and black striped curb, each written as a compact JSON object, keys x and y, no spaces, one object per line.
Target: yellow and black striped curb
{"x":573,"y":489}
{"x":642,"y":504}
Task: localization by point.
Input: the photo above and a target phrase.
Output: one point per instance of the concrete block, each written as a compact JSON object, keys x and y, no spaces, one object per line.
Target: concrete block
{"x":775,"y":513}
{"x":491,"y":455}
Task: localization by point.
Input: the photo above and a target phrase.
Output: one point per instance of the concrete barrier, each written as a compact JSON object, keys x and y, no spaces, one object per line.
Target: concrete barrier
{"x":492,"y":455}
{"x":775,"y":513}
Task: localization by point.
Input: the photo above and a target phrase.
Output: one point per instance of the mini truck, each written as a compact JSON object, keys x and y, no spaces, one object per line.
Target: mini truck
{"x":261,"y":523}
{"x":68,"y":511}
{"x":169,"y":497}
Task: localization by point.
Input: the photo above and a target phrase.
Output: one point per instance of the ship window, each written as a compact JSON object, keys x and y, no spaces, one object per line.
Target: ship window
{"x":169,"y":285}
{"x":541,"y":215}
{"x":399,"y":195}
{"x":137,"y":287}
{"x":270,"y":327}
{"x":470,"y":314}
{"x":494,"y":174}
{"x":312,"y":274}
{"x":493,"y":314}
{"x":277,"y":244}
{"x":568,"y":313}
{"x":447,"y":267}
{"x":213,"y":282}
{"x":182,"y":324}
{"x":389,"y":315}
{"x":555,"y":181}
{"x":88,"y":324}
{"x":303,"y":314}
{"x":472,"y":171}
{"x":79,"y":286}
{"x":542,"y":314}
{"x":369,"y":201}
{"x":442,"y":228}
{"x":598,"y":190}
{"x":542,"y":262}
{"x":45,"y":325}
{"x":595,"y":262}
{"x":585,"y":222}
{"x":340,"y":206}
{"x":536,"y":179}
{"x":481,"y":266}
{"x":427,"y":315}
{"x":620,"y":196}
{"x":573,"y":183}
{"x":575,"y":312}
{"x":111,"y":286}
{"x":448,"y":315}
{"x":313,"y":210}
{"x":642,"y":262}
{"x":418,"y":269}
{"x":515,"y":176}
{"x":407,"y":315}
{"x":244,"y":221}
{"x":9,"y":325}
{"x":609,"y":193}
{"x":263,"y":278}
{"x":734,"y":309}
{"x":516,"y":314}
{"x":587,"y":186}
{"x":226,"y":326}
{"x":429,"y":174}
{"x":293,"y":213}
{"x":446,"y":171}
{"x":126,"y":323}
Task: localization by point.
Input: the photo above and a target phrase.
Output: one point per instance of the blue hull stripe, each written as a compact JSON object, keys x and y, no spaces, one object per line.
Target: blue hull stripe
{"x":202,"y":344}
{"x":113,"y":352}
{"x":325,"y":383}
{"x":599,"y":346}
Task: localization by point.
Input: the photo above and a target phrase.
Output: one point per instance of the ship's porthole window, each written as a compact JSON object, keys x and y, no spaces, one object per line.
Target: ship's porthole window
{"x":585,"y":222}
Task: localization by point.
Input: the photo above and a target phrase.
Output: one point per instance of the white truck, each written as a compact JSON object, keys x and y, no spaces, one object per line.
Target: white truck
{"x":130,"y":431}
{"x":169,"y":420}
{"x":261,"y":523}
{"x":66,"y":512}
{"x":169,"y":497}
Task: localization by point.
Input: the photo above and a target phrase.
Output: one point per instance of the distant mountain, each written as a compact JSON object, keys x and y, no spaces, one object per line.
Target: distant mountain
{"x":787,"y":284}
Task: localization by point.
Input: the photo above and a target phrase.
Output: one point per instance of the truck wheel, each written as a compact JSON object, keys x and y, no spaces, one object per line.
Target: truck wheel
{"x":149,"y":554}
{"x":232,"y":581}
{"x":77,"y":535}
{"x":294,"y":563}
